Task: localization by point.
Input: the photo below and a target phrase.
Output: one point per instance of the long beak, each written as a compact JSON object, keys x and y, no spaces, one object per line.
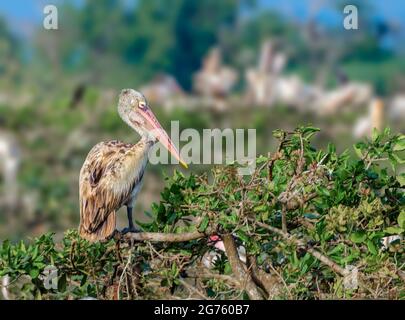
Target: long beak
{"x":162,"y":136}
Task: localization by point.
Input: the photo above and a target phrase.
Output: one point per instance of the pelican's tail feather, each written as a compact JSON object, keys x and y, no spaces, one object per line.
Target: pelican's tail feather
{"x":103,"y":232}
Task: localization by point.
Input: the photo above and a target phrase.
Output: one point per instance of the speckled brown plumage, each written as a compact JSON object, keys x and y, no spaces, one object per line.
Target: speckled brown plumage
{"x":112,"y":173}
{"x":108,"y":178}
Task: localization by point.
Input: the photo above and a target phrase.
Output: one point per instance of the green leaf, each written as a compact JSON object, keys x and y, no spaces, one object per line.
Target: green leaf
{"x":84,"y":280}
{"x":261,"y":159}
{"x":371,"y":247}
{"x":374,"y":135}
{"x":35,"y":252}
{"x":397,"y":158}
{"x":372,"y":174}
{"x":311,"y":215}
{"x":311,"y":129}
{"x":204,"y":224}
{"x":34,"y":273}
{"x":401,"y":179}
{"x":358,"y":148}
{"x":336,"y":250}
{"x":358,"y":237}
{"x":331,"y":148}
{"x":400,"y":145}
{"x":243,"y":236}
{"x":278,"y":134}
{"x":324,"y":191}
{"x":227,"y":268}
{"x":394,"y":230}
{"x":401,"y":219}
{"x":261,"y":208}
{"x":62,"y":283}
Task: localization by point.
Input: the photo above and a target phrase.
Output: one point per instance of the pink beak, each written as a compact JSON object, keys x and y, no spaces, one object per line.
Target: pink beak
{"x":162,"y":136}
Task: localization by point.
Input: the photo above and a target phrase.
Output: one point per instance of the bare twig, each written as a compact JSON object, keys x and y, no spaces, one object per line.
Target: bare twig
{"x":284,"y":219}
{"x":275,"y":157}
{"x":124,"y":273}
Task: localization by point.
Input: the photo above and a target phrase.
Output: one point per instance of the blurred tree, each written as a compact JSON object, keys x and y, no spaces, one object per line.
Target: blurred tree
{"x":10,"y":54}
{"x":175,"y":38}
{"x":149,"y":40}
{"x":197,"y":29}
{"x":145,"y":38}
{"x":365,"y":42}
{"x":126,"y":43}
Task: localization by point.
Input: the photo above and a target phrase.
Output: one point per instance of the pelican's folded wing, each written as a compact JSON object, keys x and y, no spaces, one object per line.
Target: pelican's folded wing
{"x":99,"y":184}
{"x":108,"y":177}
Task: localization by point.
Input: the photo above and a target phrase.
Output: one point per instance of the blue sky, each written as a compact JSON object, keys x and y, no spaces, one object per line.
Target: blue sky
{"x":23,"y":14}
{"x":29,"y":10}
{"x":390,"y":9}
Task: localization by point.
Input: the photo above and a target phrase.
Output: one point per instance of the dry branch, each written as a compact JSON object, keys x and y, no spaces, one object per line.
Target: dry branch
{"x":163,"y":237}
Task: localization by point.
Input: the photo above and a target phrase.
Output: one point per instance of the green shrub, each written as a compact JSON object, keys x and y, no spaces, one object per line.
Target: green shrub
{"x":306,"y":218}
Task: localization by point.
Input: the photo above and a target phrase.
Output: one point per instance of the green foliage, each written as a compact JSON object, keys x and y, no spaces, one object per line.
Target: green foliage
{"x":77,"y":261}
{"x":343,"y":208}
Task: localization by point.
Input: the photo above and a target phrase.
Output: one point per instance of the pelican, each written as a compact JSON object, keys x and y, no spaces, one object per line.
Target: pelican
{"x":112,"y":173}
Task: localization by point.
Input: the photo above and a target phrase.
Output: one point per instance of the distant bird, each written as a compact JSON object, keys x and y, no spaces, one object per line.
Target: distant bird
{"x":78,"y":94}
{"x":375,"y":119}
{"x":210,"y":257}
{"x":112,"y":173}
{"x":10,"y":158}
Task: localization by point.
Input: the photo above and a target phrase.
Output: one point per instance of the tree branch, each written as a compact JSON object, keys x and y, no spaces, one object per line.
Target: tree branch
{"x":237,"y":268}
{"x":163,"y":237}
{"x":266,"y":281}
{"x":206,"y":274}
{"x":316,"y":254}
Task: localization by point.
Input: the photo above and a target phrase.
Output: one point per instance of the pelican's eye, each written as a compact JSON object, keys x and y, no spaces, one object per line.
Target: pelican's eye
{"x":142,"y":105}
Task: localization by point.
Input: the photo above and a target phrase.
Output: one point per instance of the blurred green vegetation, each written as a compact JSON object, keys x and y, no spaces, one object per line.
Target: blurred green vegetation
{"x":108,"y":45}
{"x":119,"y":43}
{"x":56,"y":140}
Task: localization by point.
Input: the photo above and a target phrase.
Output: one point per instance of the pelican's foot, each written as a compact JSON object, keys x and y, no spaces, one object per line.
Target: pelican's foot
{"x":130,"y":229}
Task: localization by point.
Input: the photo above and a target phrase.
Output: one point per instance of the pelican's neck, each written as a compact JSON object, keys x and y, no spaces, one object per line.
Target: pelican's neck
{"x":137,"y":158}
{"x":145,"y":143}
{"x":147,"y":138}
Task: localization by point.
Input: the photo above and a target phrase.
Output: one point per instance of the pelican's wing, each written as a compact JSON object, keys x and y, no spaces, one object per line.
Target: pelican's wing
{"x":103,"y":189}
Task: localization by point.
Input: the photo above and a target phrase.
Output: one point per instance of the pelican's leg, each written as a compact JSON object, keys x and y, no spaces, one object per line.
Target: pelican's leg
{"x":131,"y":226}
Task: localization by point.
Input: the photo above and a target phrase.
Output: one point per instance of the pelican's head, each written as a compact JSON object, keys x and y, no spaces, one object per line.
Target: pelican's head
{"x":135,"y":111}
